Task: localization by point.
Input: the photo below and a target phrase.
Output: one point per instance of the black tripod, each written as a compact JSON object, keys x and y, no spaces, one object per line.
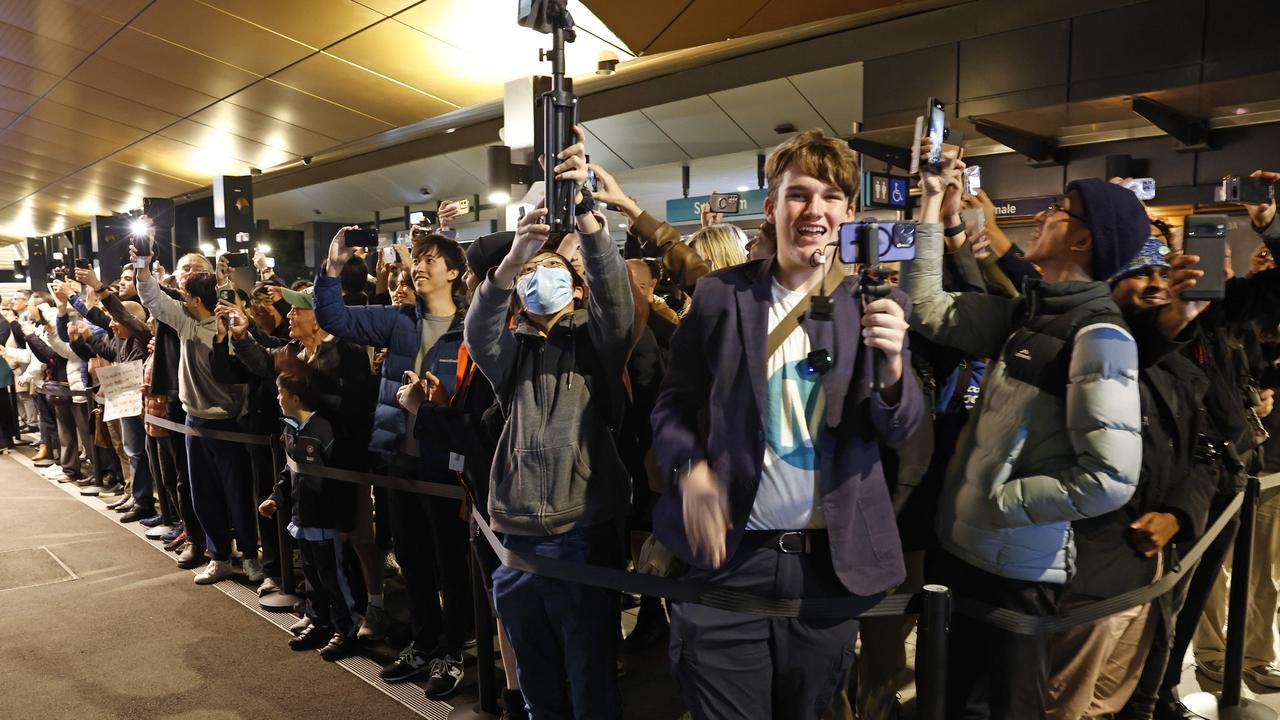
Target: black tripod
{"x":559,"y":115}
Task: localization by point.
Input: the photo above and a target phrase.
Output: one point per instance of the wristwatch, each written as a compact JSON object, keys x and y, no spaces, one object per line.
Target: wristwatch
{"x":587,"y":206}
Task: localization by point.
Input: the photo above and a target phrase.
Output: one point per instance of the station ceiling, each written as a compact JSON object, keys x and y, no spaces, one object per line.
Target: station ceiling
{"x":104,"y":102}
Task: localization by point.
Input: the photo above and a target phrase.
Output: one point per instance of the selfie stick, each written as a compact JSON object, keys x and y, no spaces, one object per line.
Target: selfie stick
{"x":871,"y":286}
{"x":559,"y":115}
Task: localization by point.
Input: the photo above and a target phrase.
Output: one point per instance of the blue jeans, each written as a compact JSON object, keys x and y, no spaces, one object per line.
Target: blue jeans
{"x":563,"y":633}
{"x":221,"y":490}
{"x":134,"y":438}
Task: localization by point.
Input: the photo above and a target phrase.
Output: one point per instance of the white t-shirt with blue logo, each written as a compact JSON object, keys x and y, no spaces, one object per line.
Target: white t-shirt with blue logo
{"x":794,"y":417}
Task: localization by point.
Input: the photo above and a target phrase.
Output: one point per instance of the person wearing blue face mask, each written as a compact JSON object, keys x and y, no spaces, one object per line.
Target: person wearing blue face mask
{"x":558,"y":487}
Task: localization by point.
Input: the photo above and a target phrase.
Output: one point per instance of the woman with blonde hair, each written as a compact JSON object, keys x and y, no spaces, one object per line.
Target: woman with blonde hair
{"x":720,"y":245}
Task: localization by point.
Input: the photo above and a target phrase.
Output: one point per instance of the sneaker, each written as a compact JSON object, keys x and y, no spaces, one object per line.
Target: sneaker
{"x":94,"y":491}
{"x":215,"y":571}
{"x":410,"y":664}
{"x":1212,"y":669}
{"x":177,"y":532}
{"x":1267,"y":676}
{"x":373,"y":628}
{"x":63,"y":477}
{"x":119,"y":501}
{"x":153,"y":521}
{"x":157,"y":532}
{"x":303,"y":623}
{"x":269,"y":585}
{"x":252,"y":569}
{"x":339,"y":647}
{"x":446,"y":675}
{"x":311,"y":637}
{"x":135,"y":515}
{"x":52,"y":472}
{"x":177,"y":544}
{"x":111,"y":489}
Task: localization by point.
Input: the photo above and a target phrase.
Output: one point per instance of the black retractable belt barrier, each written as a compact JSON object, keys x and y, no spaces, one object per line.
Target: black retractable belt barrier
{"x":225,"y":435}
{"x":1230,"y":704}
{"x":58,"y":391}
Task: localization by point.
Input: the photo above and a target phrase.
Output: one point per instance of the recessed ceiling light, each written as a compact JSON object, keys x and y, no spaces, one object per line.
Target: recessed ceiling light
{"x":743,"y":188}
{"x":622,"y":225}
{"x":450,"y":130}
{"x":1241,"y":111}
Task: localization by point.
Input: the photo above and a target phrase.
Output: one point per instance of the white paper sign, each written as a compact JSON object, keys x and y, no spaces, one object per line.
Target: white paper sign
{"x":121,"y":385}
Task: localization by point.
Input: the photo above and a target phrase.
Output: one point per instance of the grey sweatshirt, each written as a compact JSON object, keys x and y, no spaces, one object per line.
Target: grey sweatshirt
{"x":202,"y":396}
{"x":557,"y":467}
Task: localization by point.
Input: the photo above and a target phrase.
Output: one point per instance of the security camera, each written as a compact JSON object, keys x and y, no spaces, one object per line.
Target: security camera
{"x":306,"y":159}
{"x":255,"y":171}
{"x":425,"y":191}
{"x":607,"y":63}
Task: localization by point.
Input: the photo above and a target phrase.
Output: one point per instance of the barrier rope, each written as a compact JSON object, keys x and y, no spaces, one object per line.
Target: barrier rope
{"x":734,"y":600}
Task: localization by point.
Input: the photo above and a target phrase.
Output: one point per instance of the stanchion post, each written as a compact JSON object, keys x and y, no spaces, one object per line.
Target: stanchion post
{"x":284,"y":510}
{"x":931,"y":652}
{"x":486,"y":677}
{"x":1238,"y":602}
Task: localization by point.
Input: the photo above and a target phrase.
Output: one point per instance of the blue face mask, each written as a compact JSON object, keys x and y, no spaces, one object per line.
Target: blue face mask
{"x":546,"y":290}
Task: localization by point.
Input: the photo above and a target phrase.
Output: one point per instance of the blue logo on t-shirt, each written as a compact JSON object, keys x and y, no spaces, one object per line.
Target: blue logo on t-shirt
{"x":795,"y":414}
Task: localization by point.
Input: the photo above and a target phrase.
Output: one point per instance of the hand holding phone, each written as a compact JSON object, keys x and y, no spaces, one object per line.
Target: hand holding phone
{"x":1205,"y":236}
{"x":360,"y":237}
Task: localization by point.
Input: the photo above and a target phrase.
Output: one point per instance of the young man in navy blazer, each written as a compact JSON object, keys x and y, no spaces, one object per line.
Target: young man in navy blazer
{"x":776,"y":484}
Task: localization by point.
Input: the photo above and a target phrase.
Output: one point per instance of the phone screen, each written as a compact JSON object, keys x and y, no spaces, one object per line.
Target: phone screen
{"x":388,"y":255}
{"x":361,"y":238}
{"x":937,"y":133}
{"x":972,"y":179}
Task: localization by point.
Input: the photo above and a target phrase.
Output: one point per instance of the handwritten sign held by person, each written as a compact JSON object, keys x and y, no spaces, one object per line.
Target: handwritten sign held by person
{"x":121,"y":385}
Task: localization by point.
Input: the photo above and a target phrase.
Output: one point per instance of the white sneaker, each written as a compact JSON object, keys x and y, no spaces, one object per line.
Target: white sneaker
{"x":52,"y":472}
{"x":213,"y":572}
{"x":252,"y":569}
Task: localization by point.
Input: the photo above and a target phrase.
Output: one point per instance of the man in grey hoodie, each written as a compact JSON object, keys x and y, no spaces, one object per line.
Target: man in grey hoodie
{"x":219,"y":470}
{"x":558,"y":486}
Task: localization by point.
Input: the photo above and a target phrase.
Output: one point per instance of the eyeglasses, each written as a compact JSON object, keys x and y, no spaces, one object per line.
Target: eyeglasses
{"x":549,"y":263}
{"x":1056,"y":207}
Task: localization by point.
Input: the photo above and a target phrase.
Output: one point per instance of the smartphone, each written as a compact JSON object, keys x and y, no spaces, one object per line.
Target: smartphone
{"x":591,"y":181}
{"x":1251,"y":190}
{"x":237,"y":259}
{"x":59,"y":274}
{"x":361,"y":238}
{"x":725,"y":203}
{"x":972,"y":179}
{"x":83,"y":264}
{"x":463,"y":205}
{"x":1206,"y":236}
{"x":937,"y":128}
{"x":142,"y":247}
{"x":1144,"y":188}
{"x":389,"y":255}
{"x":227,"y":296}
{"x":915,"y":145}
{"x":888,"y":241}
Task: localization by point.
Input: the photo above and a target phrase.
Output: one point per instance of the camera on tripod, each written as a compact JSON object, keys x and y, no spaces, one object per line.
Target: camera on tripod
{"x":559,"y":107}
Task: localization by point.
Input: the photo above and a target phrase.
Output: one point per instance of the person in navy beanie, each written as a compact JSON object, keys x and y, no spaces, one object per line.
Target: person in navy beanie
{"x":1117,"y":221}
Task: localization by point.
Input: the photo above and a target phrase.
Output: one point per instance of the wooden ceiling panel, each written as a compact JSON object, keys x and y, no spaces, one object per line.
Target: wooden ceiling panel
{"x":317,"y":23}
{"x":25,"y":78}
{"x":299,"y":108}
{"x":85,"y":122}
{"x":67,"y":156}
{"x":265,"y":129}
{"x":329,"y":77}
{"x":38,"y":51}
{"x":224,"y":143}
{"x":213,"y":33}
{"x":421,"y":61}
{"x":121,"y":11}
{"x":129,"y":82}
{"x":179,"y":65}
{"x":15,"y":101}
{"x":705,"y":21}
{"x":19,"y":160}
{"x":123,"y":110}
{"x":638,"y":24}
{"x":78,"y":144}
{"x":59,"y":21}
{"x":391,"y":7}
{"x":180,"y":160}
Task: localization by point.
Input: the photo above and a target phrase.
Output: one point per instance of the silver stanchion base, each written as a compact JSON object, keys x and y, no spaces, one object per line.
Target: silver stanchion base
{"x":1205,"y":705}
{"x":279,"y":602}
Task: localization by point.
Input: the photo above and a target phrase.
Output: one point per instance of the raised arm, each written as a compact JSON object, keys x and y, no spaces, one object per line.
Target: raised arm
{"x":167,"y":310}
{"x":373,"y":326}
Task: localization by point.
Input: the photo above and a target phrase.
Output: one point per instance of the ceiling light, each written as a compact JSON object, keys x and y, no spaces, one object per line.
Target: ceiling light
{"x":499,"y":197}
{"x":743,"y":188}
{"x":450,"y":131}
{"x":622,"y":225}
{"x":19,"y":276}
{"x":264,"y":248}
{"x":206,"y":249}
{"x":1241,"y":111}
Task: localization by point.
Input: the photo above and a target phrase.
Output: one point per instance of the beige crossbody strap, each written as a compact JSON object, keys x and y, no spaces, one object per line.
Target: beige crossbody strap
{"x":789,"y":323}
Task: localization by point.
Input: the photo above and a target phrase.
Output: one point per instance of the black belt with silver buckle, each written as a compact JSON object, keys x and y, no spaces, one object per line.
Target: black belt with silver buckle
{"x":790,"y":542}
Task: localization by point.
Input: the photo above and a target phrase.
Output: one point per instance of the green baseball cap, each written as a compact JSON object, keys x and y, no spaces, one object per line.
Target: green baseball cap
{"x":297,"y":299}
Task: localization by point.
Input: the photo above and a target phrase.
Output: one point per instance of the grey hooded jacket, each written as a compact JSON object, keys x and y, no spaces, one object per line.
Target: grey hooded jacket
{"x":557,"y":466}
{"x":1031,"y":460}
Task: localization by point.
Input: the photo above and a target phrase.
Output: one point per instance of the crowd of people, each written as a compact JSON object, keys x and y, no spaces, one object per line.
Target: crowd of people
{"x":1034,"y":428}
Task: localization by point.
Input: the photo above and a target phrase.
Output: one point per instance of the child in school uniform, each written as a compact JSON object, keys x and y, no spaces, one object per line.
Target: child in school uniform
{"x":322,"y":519}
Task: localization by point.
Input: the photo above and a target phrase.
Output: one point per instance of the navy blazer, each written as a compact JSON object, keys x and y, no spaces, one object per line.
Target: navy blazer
{"x":712,"y":407}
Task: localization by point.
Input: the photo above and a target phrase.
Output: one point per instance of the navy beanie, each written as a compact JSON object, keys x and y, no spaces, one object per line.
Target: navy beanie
{"x":486,"y":252}
{"x":1117,"y":222}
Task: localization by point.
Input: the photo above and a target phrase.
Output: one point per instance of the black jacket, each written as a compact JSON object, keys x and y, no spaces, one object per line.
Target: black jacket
{"x":317,"y":502}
